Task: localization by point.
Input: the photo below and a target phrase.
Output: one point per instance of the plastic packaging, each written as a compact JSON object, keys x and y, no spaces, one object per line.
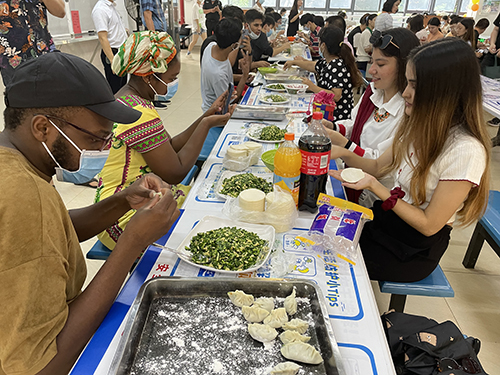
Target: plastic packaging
{"x":337,"y":227}
{"x":280,"y":211}
{"x":287,"y":163}
{"x":239,"y":157}
{"x":315,"y":147}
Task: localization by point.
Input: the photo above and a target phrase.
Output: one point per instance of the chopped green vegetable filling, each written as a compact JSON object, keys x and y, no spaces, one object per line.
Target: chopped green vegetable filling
{"x":275,"y":98}
{"x":233,"y":186}
{"x":276,"y":86}
{"x":227,"y":248}
{"x":272,"y":133}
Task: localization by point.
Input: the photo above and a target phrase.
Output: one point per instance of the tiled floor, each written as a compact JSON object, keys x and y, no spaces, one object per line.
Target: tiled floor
{"x":477,"y":292}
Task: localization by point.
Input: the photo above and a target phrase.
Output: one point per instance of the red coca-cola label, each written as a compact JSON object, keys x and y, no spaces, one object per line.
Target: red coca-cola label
{"x":315,"y":163}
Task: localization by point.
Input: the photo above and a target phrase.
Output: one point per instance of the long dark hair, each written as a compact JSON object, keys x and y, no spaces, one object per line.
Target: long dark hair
{"x":442,"y":102}
{"x":333,"y":37}
{"x":295,"y":6}
{"x":388,"y":6}
{"x":416,"y":23}
{"x":469,"y":34}
{"x":404,"y":41}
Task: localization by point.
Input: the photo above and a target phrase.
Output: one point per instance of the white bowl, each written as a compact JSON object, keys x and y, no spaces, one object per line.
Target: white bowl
{"x":295,"y":88}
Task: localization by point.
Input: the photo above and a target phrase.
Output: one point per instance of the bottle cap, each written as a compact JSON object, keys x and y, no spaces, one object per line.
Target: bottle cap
{"x":317,"y":115}
{"x":289,"y":136}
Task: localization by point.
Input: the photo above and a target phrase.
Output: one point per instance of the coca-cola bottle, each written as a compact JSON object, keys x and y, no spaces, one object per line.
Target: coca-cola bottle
{"x":315,"y":147}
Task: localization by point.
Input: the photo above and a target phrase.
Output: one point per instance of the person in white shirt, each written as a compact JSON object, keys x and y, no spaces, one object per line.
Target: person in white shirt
{"x":370,"y":131}
{"x":216,"y":70}
{"x":112,"y":34}
{"x":363,"y":45}
{"x":258,"y":6}
{"x":440,"y":164}
{"x":384,"y":20}
{"x":198,"y":22}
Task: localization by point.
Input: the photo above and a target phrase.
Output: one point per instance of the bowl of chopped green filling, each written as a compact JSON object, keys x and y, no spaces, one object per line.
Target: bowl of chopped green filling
{"x":225,"y":246}
{"x":231,"y":184}
{"x":267,"y":69}
{"x":277,"y":87}
{"x":274,"y":98}
{"x":268,"y":159}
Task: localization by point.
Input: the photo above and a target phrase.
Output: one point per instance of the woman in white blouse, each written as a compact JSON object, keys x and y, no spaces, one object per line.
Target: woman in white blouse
{"x":370,"y":134}
{"x":384,"y":20}
{"x":440,"y":164}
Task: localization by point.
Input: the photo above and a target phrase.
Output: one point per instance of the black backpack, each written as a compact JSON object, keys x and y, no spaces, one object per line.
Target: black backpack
{"x":422,"y":346}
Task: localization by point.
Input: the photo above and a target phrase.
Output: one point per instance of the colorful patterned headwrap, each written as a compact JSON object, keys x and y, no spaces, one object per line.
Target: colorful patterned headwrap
{"x":144,"y":53}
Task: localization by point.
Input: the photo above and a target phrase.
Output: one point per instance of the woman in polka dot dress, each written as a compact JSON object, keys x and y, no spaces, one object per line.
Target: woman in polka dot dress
{"x":336,"y":71}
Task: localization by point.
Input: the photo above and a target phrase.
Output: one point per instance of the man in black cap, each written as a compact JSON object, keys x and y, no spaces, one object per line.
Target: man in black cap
{"x":60,"y":110}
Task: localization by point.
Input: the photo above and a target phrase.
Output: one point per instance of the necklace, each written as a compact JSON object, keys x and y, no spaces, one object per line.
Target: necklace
{"x":378,"y":117}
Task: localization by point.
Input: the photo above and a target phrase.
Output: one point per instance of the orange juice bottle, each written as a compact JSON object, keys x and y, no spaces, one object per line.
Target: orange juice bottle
{"x":287,"y":163}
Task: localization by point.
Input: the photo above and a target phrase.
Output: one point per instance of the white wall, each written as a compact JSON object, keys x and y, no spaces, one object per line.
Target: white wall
{"x":489,"y":15}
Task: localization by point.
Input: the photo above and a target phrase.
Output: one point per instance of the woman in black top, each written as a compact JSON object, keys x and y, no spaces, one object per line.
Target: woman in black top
{"x":293,"y":18}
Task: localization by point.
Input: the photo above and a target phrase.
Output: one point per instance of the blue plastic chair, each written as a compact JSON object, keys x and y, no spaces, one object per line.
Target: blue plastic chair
{"x":98,"y":251}
{"x":434,"y":285}
{"x":487,"y":228}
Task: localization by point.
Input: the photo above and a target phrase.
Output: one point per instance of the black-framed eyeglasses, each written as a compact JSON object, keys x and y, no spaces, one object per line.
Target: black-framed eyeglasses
{"x":467,"y":364}
{"x":380,"y":41}
{"x":105,"y":141}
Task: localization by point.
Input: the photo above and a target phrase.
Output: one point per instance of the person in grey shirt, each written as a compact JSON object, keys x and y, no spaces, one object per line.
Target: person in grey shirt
{"x":384,"y":21}
{"x":216,"y":70}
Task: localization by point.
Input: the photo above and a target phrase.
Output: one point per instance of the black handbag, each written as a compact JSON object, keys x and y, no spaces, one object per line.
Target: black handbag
{"x":422,"y":346}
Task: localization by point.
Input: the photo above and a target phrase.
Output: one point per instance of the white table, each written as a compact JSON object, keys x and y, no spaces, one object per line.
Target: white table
{"x":491,"y":95}
{"x":351,"y":304}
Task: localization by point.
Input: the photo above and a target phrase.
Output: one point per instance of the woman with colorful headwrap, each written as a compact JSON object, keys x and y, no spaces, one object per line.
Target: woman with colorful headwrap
{"x":145,"y":146}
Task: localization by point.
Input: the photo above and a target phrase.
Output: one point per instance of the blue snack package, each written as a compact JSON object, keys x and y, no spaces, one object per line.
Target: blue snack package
{"x":321,"y":219}
{"x":348,"y":226}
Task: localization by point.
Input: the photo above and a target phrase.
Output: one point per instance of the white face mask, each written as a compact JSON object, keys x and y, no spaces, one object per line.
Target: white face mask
{"x":158,"y":97}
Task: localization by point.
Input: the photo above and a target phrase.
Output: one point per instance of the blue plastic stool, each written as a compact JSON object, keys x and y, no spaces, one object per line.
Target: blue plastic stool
{"x":98,"y":251}
{"x":212,"y":137}
{"x":487,"y":228}
{"x":189,"y":177}
{"x":434,"y":285}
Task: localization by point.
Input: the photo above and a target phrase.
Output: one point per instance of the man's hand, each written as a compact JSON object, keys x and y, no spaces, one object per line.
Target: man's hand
{"x":244,"y":64}
{"x":288,"y":65}
{"x":245,"y":42}
{"x":144,"y":190}
{"x":152,"y":220}
{"x":260,"y":64}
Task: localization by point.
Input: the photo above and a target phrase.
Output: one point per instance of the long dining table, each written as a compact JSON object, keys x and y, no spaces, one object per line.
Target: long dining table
{"x":346,"y":287}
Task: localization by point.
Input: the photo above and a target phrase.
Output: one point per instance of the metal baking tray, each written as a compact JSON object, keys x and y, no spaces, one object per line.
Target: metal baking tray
{"x":260,"y":112}
{"x":189,"y":326}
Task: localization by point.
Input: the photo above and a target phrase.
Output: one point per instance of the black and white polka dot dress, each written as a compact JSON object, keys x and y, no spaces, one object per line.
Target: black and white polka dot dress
{"x":334,"y":75}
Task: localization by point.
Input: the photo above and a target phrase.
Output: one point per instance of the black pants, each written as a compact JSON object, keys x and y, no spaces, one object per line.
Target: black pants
{"x":114,"y":81}
{"x":210,"y":24}
{"x":362,"y":65}
{"x":395,"y":251}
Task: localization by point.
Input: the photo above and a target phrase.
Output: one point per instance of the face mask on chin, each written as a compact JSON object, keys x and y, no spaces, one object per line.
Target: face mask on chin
{"x":253,"y":36}
{"x":171,"y":90}
{"x":91,"y":163}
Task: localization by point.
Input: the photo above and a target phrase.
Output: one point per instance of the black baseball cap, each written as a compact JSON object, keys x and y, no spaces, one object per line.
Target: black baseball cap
{"x":58,"y":79}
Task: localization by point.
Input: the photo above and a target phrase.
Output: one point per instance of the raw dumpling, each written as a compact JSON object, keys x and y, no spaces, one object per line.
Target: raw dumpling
{"x":262,"y":332}
{"x":254,"y":314}
{"x":277,"y":318}
{"x":301,"y":352}
{"x":298,"y":325}
{"x":285,"y":368}
{"x":293,"y":336}
{"x":291,"y":303}
{"x":265,"y":303}
{"x":240,"y":299}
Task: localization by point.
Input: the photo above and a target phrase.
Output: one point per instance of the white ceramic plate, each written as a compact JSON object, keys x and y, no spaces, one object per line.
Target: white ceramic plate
{"x":275,"y":90}
{"x":265,"y":98}
{"x":253,"y":133}
{"x":265,"y":232}
{"x":229,"y":174}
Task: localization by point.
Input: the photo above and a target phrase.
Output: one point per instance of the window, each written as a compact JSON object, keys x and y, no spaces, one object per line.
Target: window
{"x":465,"y":6}
{"x":445,"y":5}
{"x":340,"y":4}
{"x":286,"y":3}
{"x":418,"y":5}
{"x":315,"y":4}
{"x":269,"y":3}
{"x":239,"y":3}
{"x":368,"y":5}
